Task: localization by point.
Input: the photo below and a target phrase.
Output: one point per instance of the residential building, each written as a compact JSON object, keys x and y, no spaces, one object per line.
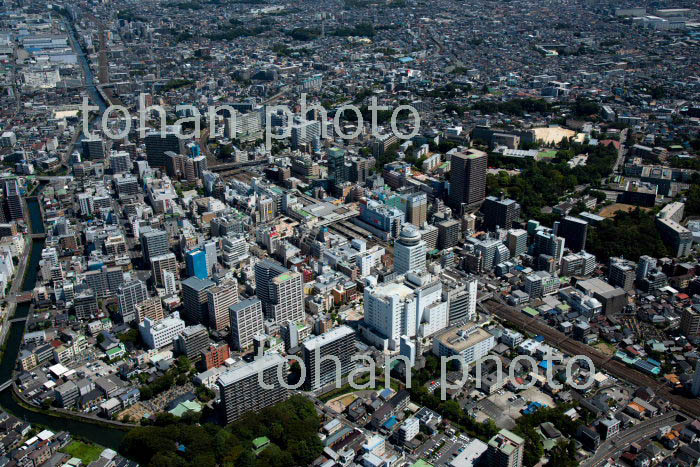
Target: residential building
{"x":339,"y":342}
{"x":246,"y":318}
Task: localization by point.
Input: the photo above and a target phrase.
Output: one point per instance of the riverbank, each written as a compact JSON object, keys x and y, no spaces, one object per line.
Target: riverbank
{"x":97,"y":431}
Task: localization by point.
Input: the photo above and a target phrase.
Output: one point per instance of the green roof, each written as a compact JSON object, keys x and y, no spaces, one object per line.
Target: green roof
{"x":259,"y":442}
{"x":531,"y":311}
{"x":421,"y":463}
{"x":184,"y":407}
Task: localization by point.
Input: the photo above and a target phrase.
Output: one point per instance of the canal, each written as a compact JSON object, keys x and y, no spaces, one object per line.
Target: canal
{"x":90,"y":85}
{"x":103,"y":435}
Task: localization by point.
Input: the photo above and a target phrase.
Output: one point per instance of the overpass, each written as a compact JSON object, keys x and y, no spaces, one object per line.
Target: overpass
{"x":5,"y":385}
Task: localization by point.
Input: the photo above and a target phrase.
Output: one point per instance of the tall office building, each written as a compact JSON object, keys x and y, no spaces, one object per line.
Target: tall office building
{"x":305,"y":132}
{"x":409,"y":251}
{"x":13,"y":200}
{"x":246,"y":319}
{"x":154,"y":243}
{"x":196,"y":263}
{"x":505,"y":450}
{"x":241,"y":391}
{"x":219,"y":299}
{"x":162,"y":263}
{"x":338,"y":171}
{"x":158,"y":144}
{"x":338,"y":342}
{"x":129,"y":295}
{"x":573,"y":230}
{"x":467,"y":179}
{"x":195,"y":299}
{"x":499,"y":212}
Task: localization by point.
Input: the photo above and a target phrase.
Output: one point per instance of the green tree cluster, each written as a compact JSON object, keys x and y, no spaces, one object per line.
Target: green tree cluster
{"x":291,"y":427}
{"x":629,"y":234}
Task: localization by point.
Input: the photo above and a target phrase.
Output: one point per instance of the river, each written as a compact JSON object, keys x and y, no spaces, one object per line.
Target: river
{"x":103,"y":435}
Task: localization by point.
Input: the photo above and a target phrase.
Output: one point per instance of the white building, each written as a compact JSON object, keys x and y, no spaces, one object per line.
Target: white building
{"x":409,"y":251}
{"x":161,"y":333}
{"x":469,"y":341}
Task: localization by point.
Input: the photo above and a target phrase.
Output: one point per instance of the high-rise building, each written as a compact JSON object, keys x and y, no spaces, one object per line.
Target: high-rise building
{"x":149,"y":308}
{"x":169,"y":283}
{"x":129,"y":295}
{"x":93,"y":148}
{"x":695,"y":388}
{"x":338,"y":171}
{"x":621,"y":273}
{"x":212,"y":255}
{"x":154,"y":243}
{"x":460,"y":295}
{"x":280,"y":291}
{"x":158,"y":144}
{"x":305,"y":132}
{"x":219,"y":299}
{"x":119,"y":162}
{"x":467,"y":179}
{"x":409,"y":251}
{"x":499,"y":212}
{"x":234,"y":250}
{"x":415,"y":206}
{"x":448,"y":234}
{"x":196,"y":263}
{"x":13,"y":200}
{"x":195,"y":299}
{"x":265,"y":270}
{"x":246,"y":319}
{"x":690,"y":321}
{"x":161,"y":264}
{"x":548,"y":243}
{"x":338,"y":342}
{"x":241,"y":391}
{"x":644,"y":266}
{"x":192,"y":341}
{"x":517,"y":242}
{"x":574,"y":231}
{"x":286,"y":298}
{"x":505,"y":450}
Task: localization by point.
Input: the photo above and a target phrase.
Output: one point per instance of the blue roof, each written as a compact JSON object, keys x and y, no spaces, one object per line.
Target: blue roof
{"x":539,"y":338}
{"x":389,"y":424}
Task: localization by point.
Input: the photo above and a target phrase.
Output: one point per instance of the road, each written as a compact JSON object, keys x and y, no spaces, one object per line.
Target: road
{"x":623,"y":151}
{"x":620,"y":442}
{"x":599,"y":359}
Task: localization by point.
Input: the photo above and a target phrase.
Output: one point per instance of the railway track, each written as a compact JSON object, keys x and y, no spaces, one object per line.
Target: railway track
{"x":599,"y":359}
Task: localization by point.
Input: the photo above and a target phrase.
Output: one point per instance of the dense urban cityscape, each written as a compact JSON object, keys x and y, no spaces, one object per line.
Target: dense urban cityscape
{"x":349,"y":233}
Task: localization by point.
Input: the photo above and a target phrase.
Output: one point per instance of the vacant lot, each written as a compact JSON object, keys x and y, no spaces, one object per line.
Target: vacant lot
{"x":85,"y":452}
{"x":609,"y":211}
